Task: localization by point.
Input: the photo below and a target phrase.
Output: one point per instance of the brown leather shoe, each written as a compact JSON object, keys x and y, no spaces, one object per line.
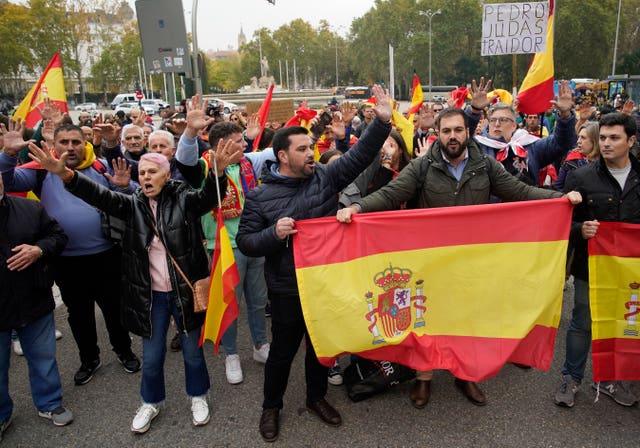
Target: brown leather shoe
{"x":472,"y":391}
{"x":420,"y":393}
{"x":325,"y":411}
{"x":270,"y":424}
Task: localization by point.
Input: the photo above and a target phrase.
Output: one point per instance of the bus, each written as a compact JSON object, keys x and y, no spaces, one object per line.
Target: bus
{"x":357,"y":93}
{"x":438,"y":93}
{"x":627,"y":86}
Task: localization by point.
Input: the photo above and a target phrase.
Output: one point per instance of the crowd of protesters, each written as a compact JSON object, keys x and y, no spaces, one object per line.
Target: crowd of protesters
{"x":120,"y":197}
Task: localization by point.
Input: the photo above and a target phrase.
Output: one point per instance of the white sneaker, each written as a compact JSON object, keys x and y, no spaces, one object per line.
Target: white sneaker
{"x":58,"y":334}
{"x":17,"y":347}
{"x":200,"y":410}
{"x":142,"y":421}
{"x":262,"y":353}
{"x":233,"y":369}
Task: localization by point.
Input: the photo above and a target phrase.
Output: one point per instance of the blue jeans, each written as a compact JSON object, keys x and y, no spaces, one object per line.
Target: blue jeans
{"x":154,"y":350}
{"x":38,"y":341}
{"x":579,"y":332}
{"x":254,"y":287}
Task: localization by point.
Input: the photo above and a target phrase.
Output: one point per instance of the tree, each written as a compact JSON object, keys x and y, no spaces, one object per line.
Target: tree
{"x":118,"y":63}
{"x":14,"y":52}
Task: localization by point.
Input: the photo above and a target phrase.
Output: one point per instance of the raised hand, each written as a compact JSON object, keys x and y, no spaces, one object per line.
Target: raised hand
{"x":383,"y":108}
{"x":348,"y":111}
{"x":177,"y":126}
{"x":197,"y":118}
{"x":12,"y":138}
{"x":627,"y":107}
{"x":253,"y":126}
{"x":51,"y":111}
{"x":338,"y":127}
{"x":48,"y":131}
{"x":108,"y":131}
{"x":564,"y":103}
{"x":227,"y":153}
{"x":140,"y":119}
{"x":479,"y":100}
{"x":121,"y":173}
{"x":47,"y":160}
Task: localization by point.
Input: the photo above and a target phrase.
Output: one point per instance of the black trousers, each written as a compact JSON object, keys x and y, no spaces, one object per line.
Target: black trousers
{"x":288,"y":328}
{"x":84,"y":281}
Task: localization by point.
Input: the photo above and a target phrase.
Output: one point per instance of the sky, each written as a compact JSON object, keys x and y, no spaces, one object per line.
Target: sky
{"x":219,"y":21}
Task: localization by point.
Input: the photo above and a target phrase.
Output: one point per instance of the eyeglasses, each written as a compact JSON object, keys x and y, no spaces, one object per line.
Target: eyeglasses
{"x":502,"y":120}
{"x":437,"y":110}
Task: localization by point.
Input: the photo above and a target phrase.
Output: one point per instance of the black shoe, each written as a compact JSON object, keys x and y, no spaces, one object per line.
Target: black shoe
{"x":130,"y":362}
{"x":175,"y":344}
{"x":86,"y":372}
{"x":267,"y":309}
{"x":325,"y":411}
{"x":270,"y":424}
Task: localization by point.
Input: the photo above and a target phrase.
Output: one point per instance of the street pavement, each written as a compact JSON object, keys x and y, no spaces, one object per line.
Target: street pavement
{"x":520,"y":412}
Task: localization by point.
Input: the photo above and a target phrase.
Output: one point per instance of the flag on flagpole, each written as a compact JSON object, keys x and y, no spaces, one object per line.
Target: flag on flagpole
{"x":417,"y":96}
{"x":223,"y":305}
{"x":536,"y":90}
{"x":614,"y":285}
{"x":50,"y":85}
{"x":263,"y":113}
{"x":434,"y":301}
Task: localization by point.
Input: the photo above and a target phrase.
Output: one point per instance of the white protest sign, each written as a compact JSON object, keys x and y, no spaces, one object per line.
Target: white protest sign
{"x":514,"y":28}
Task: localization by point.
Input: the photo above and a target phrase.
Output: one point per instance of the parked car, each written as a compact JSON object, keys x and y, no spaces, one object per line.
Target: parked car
{"x":153,"y":106}
{"x":127,"y":107}
{"x":87,"y":107}
{"x":227,"y":107}
{"x":123,"y":98}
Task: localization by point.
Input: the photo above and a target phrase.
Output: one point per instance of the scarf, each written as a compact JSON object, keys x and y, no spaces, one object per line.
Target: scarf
{"x":519,"y":140}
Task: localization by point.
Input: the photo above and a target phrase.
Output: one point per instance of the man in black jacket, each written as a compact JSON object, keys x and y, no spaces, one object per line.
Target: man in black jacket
{"x":295,"y":188}
{"x":610,"y":188}
{"x":29,"y":240}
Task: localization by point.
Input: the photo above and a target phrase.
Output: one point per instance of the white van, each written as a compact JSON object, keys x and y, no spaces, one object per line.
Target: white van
{"x":123,"y":98}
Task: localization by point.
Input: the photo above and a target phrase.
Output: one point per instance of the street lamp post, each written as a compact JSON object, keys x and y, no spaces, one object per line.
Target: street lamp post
{"x":194,"y":37}
{"x":336,"y":61}
{"x":429,"y":13}
{"x":615,"y":45}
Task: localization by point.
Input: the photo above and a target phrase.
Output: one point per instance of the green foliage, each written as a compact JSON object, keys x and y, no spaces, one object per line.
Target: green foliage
{"x":117,"y":68}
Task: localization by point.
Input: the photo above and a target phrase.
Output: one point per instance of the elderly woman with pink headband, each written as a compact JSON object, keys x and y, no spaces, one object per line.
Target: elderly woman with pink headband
{"x":162,"y":217}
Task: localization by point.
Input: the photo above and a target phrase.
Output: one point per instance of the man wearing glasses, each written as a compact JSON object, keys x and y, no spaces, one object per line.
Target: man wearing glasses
{"x":521,"y":153}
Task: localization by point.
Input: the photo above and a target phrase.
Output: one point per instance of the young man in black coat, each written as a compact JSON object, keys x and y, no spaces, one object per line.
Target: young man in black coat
{"x":296,"y":188}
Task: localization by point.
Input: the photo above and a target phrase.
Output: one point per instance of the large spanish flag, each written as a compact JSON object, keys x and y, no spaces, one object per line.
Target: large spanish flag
{"x":50,"y":85}
{"x":223,"y":305}
{"x":464,"y":289}
{"x":536,"y":90}
{"x":614,"y":284}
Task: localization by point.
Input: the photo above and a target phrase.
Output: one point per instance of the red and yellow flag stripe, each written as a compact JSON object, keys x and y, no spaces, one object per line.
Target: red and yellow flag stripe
{"x":223,"y":305}
{"x":50,"y":85}
{"x":536,"y":90}
{"x":462,"y":288}
{"x":614,"y":285}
